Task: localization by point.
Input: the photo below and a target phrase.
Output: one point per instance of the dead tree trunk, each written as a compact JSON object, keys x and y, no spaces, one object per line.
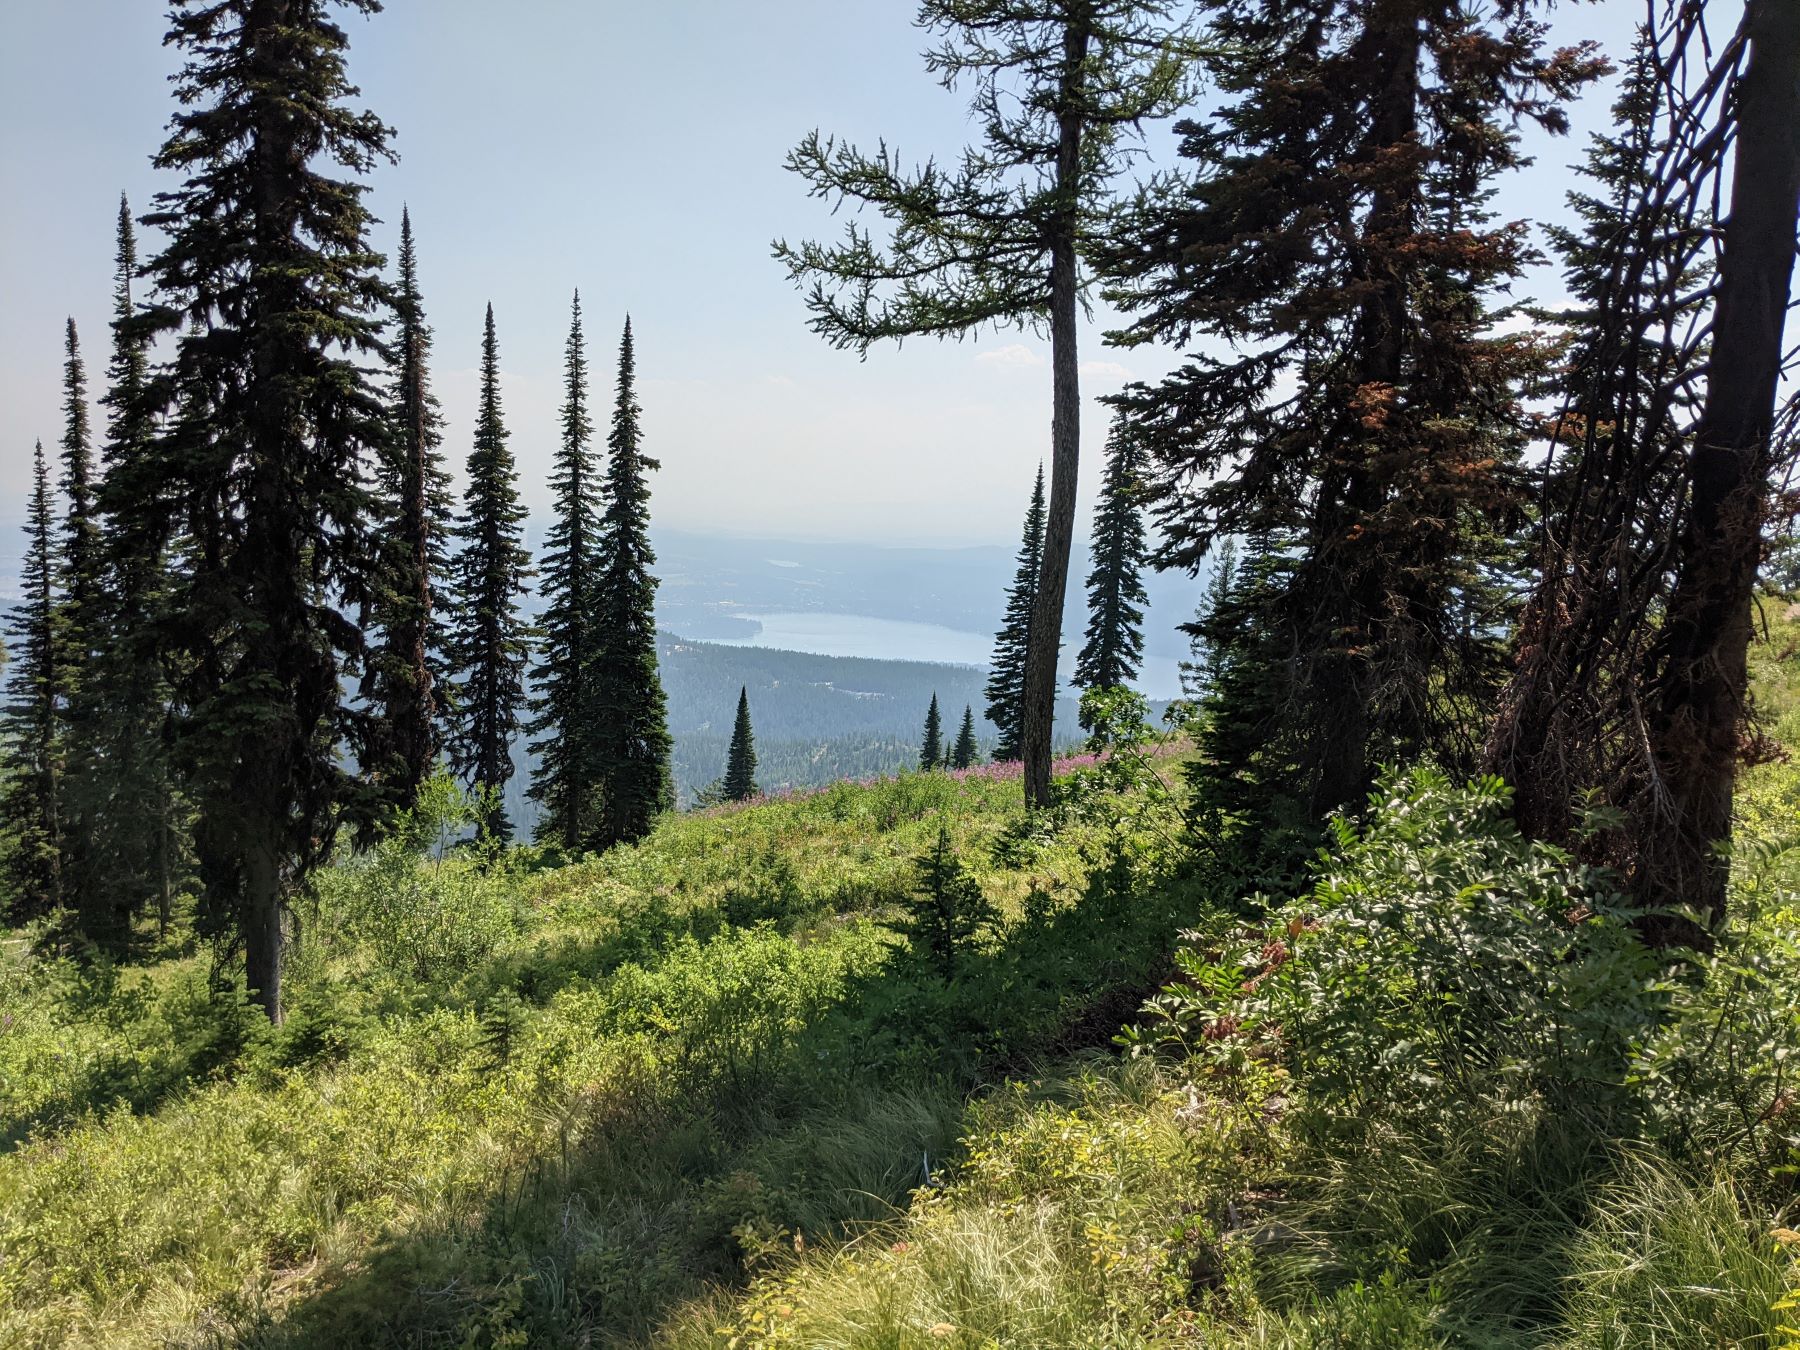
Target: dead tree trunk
{"x":1699,"y":679}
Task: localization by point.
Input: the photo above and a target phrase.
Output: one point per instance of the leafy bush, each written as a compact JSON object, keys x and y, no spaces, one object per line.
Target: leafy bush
{"x":1438,"y":958}
{"x":417,"y":904}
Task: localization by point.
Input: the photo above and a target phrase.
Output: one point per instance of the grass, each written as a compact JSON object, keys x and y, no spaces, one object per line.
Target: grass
{"x":699,"y":1094}
{"x":551,"y":1104}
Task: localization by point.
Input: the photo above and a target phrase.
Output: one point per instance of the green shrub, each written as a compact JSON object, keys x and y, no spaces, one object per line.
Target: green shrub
{"x":415,"y":904}
{"x":1439,"y":958}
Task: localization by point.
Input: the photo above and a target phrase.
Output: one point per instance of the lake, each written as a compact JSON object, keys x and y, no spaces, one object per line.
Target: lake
{"x":827,"y":634}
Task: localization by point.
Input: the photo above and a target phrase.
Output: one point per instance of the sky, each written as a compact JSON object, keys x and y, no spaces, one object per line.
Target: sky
{"x":632,"y":151}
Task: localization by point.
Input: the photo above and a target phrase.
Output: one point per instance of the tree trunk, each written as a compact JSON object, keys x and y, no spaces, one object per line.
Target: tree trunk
{"x":262,"y":926}
{"x":1700,"y":684}
{"x":1045,"y":638}
{"x":1356,"y":563}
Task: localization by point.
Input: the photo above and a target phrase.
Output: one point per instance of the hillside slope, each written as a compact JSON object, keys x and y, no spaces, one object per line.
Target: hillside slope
{"x":704,"y":1092}
{"x":553,"y":1104}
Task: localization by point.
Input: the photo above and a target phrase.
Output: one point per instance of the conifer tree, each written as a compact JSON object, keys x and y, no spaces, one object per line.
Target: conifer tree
{"x":273,"y":299}
{"x":946,"y":912}
{"x":81,"y":530}
{"x":630,"y":717}
{"x":123,"y":802}
{"x":1115,"y":586}
{"x":1330,"y":234}
{"x":931,"y":750}
{"x":1256,"y":818}
{"x":739,"y":783}
{"x":78,"y":568}
{"x":1060,"y":86}
{"x":31,"y":796}
{"x":1200,"y":672}
{"x":490,"y":642}
{"x":1633,"y":676}
{"x":564,"y":703}
{"x":406,"y":681}
{"x":964,"y":754}
{"x":1006,"y":677}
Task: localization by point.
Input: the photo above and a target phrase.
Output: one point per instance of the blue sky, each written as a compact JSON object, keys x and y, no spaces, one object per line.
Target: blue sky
{"x":633,"y":151}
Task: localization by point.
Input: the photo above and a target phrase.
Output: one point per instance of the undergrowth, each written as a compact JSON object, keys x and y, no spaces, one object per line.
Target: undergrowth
{"x":848,"y":1071}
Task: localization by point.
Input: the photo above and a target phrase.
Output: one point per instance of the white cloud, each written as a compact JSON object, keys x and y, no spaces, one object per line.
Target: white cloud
{"x":1106,"y":370}
{"x":1013,"y":356}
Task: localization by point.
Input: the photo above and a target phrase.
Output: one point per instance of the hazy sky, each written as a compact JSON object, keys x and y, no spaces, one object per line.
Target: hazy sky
{"x":634,"y":151}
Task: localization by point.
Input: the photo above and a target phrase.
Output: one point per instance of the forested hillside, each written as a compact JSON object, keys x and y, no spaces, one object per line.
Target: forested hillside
{"x":817,"y":718}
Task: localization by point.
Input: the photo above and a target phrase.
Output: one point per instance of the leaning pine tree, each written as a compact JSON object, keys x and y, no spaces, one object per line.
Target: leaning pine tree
{"x":403,"y":683}
{"x":1115,"y":587}
{"x":629,"y":715}
{"x":931,"y":749}
{"x":739,"y":783}
{"x":491,"y":642}
{"x":1059,"y":88}
{"x":1633,"y":680}
{"x":30,"y":798}
{"x":271,"y":297}
{"x":1006,"y":672}
{"x":563,"y":705}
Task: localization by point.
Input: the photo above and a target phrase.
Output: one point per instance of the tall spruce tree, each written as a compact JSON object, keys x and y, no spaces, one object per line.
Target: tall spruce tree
{"x":405,"y":680}
{"x":1256,"y":818}
{"x":931,"y":749}
{"x":629,"y":713}
{"x":1006,"y":672}
{"x":963,"y":755}
{"x":123,"y":803}
{"x":273,"y":297}
{"x":1115,"y":587}
{"x":1200,"y":672}
{"x":1060,"y":87}
{"x":1330,"y":232}
{"x":490,"y":642}
{"x":81,"y":559}
{"x":739,"y":783}
{"x":566,"y":719}
{"x":31,"y":795}
{"x":79,"y":566}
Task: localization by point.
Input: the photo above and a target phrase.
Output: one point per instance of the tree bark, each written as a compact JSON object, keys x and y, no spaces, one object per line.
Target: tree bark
{"x":1700,"y":681}
{"x":1045,"y":639}
{"x":1355,"y":561}
{"x":262,"y":926}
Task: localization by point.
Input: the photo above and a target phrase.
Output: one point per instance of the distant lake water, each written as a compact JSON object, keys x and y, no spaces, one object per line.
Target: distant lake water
{"x":825,"y":634}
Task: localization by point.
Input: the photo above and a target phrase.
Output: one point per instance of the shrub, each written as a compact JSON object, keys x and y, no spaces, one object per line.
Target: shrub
{"x":1438,"y":958}
{"x":419,"y":906}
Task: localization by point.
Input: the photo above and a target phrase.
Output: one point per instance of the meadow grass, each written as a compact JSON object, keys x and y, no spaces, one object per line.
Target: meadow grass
{"x":699,"y":1093}
{"x":544,"y":1101}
